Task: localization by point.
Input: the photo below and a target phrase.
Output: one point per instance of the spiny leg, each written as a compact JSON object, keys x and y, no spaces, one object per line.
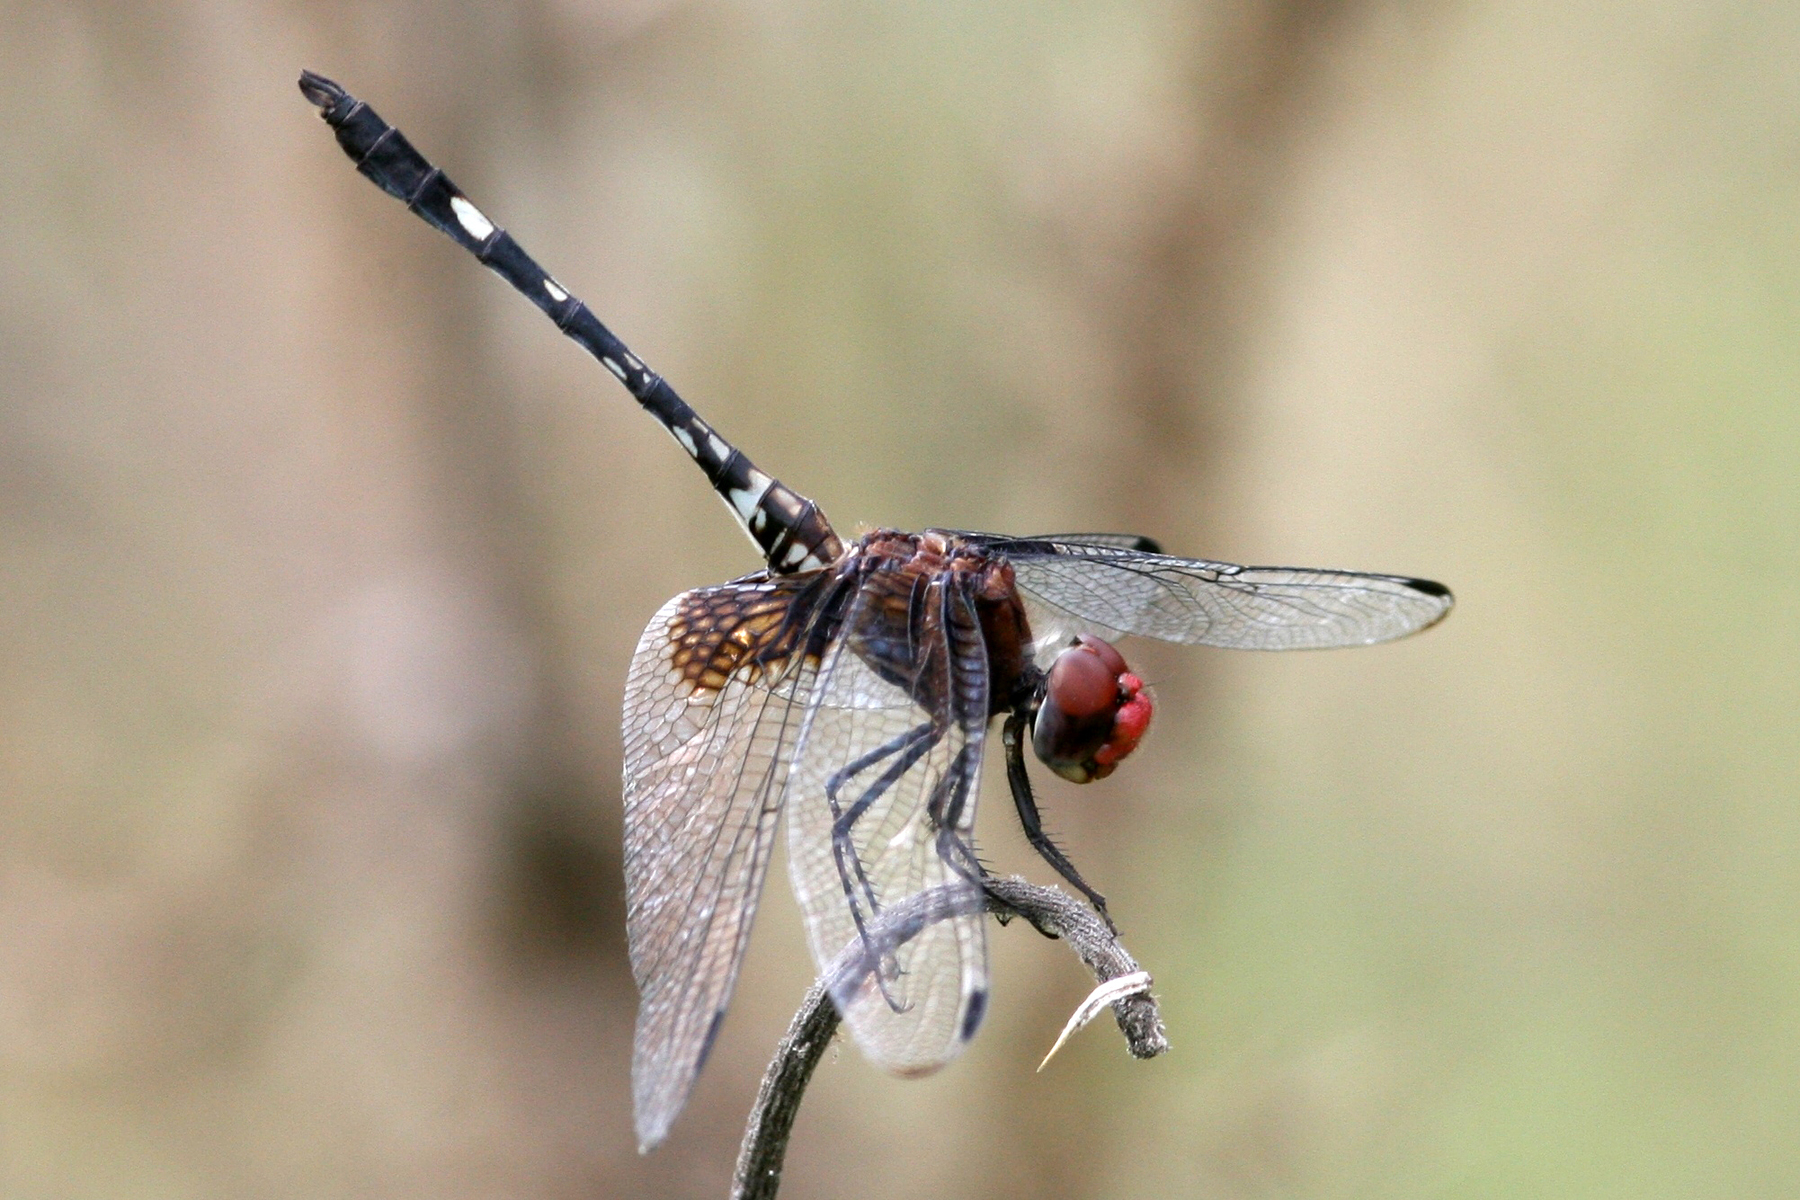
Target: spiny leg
{"x":950,"y":848}
{"x":840,"y":827}
{"x":1023,"y":800}
{"x":843,"y":825}
{"x":911,"y":746}
{"x":946,"y":809}
{"x":959,"y":855}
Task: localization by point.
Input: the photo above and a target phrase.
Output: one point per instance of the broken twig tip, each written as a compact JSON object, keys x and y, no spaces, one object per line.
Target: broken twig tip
{"x":1134,"y":983}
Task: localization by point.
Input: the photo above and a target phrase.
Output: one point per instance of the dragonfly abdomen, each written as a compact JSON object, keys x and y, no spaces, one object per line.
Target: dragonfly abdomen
{"x":790,"y":531}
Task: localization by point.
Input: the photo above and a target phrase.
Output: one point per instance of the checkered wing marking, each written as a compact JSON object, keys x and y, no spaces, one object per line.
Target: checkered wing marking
{"x":1111,"y":588}
{"x":921,"y":758}
{"x":712,"y":709}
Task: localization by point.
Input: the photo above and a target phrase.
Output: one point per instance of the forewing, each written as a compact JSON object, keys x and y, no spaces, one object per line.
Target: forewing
{"x":872,"y":746}
{"x":712,"y":709}
{"x":1114,"y":589}
{"x":1116,"y":541}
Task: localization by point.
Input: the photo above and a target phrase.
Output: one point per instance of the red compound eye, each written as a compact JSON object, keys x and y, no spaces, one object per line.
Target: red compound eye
{"x":1094,"y":712}
{"x":1108,"y":654}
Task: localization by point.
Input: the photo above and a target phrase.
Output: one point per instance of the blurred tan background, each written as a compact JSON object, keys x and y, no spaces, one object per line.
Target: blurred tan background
{"x":323,"y":555}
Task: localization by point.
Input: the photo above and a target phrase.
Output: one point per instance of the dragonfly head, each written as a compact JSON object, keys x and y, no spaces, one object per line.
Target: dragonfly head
{"x":1093,"y":714}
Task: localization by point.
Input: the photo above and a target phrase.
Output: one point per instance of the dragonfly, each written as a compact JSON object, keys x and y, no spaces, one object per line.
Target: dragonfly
{"x":852,"y":685}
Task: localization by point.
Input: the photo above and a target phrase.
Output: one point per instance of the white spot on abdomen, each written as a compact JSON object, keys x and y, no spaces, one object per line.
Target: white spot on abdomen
{"x":744,"y":502}
{"x":684,"y":438}
{"x":479,"y":227}
{"x":556,"y":293}
{"x":615,"y":368}
{"x":735,"y":502}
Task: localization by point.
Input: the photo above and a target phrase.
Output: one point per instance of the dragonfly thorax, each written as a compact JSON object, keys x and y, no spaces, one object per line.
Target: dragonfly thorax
{"x":921,"y":581}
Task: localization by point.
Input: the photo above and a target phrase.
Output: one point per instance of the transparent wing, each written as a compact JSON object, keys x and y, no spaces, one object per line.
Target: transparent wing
{"x":881,"y":824}
{"x":713,"y":703}
{"x":1109,"y":588}
{"x":1118,"y":541}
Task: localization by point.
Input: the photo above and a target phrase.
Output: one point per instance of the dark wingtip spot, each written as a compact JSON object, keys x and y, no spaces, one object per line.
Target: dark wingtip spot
{"x":1428,"y":586}
{"x":706,"y":1045}
{"x":1148,"y":545}
{"x":976,"y":1010}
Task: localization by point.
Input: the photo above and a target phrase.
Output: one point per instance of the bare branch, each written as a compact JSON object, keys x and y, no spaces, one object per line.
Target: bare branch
{"x":1050,"y":911}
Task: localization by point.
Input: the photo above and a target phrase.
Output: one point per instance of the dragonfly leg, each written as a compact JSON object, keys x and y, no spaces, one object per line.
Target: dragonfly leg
{"x":842,"y":822}
{"x":958,"y":854}
{"x":1013,"y":736}
{"x":946,"y":813}
{"x":910,"y":746}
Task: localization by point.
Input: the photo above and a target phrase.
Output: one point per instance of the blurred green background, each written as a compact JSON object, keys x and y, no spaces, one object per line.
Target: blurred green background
{"x":323,"y":554}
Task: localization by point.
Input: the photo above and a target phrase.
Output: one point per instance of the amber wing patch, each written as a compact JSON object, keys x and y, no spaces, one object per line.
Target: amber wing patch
{"x":718,"y":633}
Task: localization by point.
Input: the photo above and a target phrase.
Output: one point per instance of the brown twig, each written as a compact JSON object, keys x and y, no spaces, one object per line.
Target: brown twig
{"x":1050,"y":911}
